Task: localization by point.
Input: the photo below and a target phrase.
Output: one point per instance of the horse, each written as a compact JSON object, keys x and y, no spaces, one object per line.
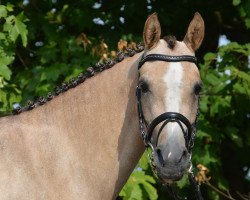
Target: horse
{"x":85,"y":139}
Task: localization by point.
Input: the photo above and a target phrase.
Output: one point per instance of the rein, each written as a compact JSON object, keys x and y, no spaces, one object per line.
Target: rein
{"x":167,"y":117}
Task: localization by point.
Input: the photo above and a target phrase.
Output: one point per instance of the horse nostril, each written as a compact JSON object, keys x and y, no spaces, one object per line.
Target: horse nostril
{"x":184,"y":155}
{"x":160,"y":157}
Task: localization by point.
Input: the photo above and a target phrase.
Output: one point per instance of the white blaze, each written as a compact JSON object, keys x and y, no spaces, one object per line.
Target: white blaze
{"x":173,"y":80}
{"x":169,"y":154}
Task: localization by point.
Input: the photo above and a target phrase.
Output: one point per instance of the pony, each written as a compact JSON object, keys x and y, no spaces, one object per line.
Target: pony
{"x":85,"y":139}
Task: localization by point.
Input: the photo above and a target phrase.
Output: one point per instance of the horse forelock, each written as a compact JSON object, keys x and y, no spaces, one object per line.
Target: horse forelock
{"x":171,"y":41}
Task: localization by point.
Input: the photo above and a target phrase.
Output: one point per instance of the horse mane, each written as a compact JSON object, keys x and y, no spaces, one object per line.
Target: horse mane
{"x":89,"y":72}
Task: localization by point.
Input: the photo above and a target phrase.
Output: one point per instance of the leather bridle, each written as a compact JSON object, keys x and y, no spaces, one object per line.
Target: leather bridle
{"x":165,"y":118}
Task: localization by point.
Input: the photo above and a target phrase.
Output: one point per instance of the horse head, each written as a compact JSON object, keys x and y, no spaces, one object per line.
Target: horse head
{"x":168,"y":96}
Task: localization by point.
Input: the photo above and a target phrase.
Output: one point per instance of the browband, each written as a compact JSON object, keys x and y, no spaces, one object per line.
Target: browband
{"x":161,"y":57}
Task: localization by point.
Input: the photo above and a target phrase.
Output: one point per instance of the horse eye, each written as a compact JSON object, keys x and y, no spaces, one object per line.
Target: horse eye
{"x":197,"y":88}
{"x":144,"y":86}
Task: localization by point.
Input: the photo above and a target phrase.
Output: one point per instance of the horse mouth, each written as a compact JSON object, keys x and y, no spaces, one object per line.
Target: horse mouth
{"x":170,"y":171}
{"x":169,"y":176}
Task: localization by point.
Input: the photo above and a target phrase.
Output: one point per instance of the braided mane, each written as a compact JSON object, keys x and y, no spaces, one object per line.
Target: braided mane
{"x":90,"y":72}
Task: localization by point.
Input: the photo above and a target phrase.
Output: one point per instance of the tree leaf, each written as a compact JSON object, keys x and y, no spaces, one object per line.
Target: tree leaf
{"x":15,"y":27}
{"x":151,"y":191}
{"x":2,"y":36}
{"x":144,"y":162}
{"x":21,"y":28}
{"x":210,"y":57}
{"x":213,"y":79}
{"x":238,"y":88}
{"x":136,"y":193}
{"x":183,"y":182}
{"x":247,"y":22}
{"x":10,"y":7}
{"x":3,"y":11}
{"x":233,"y":133}
{"x":236,"y":2}
{"x":131,"y":190}
{"x":5,"y":71}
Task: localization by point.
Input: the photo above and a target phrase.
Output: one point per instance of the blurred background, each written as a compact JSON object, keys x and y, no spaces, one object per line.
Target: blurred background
{"x":46,"y":42}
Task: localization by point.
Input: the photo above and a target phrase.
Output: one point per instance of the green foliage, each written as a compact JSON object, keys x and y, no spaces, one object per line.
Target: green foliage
{"x":244,"y":10}
{"x":11,"y":27}
{"x":14,"y":26}
{"x":48,"y":55}
{"x":224,"y":107}
{"x":140,"y":185}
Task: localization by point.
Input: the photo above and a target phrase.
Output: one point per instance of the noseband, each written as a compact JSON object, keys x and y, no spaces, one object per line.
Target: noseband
{"x":165,"y":118}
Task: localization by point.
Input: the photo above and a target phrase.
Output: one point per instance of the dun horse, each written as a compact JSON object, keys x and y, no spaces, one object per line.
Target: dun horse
{"x":84,"y":143}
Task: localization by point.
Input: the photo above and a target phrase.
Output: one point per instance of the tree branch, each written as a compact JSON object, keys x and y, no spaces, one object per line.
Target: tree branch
{"x":218,"y":191}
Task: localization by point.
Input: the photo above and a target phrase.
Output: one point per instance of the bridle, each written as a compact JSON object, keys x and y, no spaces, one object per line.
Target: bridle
{"x":165,"y":118}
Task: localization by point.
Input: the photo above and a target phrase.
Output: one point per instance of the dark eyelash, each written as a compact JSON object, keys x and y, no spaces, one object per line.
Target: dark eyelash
{"x":197,"y":88}
{"x":144,"y":86}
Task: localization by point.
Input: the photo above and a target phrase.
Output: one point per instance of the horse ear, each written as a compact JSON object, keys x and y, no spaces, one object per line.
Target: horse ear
{"x":195,"y":32}
{"x":152,"y":31}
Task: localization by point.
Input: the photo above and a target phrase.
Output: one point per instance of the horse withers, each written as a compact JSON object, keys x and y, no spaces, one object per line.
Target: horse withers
{"x":84,"y":143}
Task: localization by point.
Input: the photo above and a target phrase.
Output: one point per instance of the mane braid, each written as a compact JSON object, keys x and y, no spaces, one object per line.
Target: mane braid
{"x":90,"y":71}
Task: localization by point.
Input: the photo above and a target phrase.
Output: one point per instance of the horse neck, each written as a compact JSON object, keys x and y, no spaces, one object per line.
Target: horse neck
{"x":99,"y":119}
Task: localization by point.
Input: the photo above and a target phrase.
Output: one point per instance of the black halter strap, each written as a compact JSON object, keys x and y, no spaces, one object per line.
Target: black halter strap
{"x":166,"y":58}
